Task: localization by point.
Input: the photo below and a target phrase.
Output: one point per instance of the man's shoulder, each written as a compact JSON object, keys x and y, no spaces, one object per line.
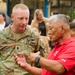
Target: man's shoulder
{"x":68,"y":44}
{"x":30,"y":31}
{"x":72,"y":41}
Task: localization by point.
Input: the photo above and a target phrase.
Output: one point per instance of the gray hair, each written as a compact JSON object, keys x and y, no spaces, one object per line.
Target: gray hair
{"x":60,"y":18}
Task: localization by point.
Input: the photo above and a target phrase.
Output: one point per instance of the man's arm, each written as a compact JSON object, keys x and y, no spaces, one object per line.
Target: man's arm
{"x":20,"y":60}
{"x":33,"y":70}
{"x":51,"y":65}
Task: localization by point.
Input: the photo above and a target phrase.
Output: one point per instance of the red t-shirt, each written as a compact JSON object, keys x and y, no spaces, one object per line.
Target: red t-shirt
{"x":65,"y":54}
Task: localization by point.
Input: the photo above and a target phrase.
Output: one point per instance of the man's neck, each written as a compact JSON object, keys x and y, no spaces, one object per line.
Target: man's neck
{"x":14,"y":29}
{"x":66,"y":36}
{"x":2,"y":22}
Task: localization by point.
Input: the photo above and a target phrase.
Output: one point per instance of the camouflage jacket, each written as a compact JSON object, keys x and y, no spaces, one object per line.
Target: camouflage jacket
{"x":13,"y":43}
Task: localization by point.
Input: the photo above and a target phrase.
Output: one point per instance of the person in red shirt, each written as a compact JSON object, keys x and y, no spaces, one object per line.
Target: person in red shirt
{"x":61,"y":60}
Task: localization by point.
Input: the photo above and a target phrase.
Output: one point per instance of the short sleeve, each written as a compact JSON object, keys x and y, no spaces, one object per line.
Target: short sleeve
{"x":67,"y":58}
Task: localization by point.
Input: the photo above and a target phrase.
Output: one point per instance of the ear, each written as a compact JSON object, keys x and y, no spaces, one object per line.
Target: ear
{"x":12,"y":17}
{"x":63,"y":28}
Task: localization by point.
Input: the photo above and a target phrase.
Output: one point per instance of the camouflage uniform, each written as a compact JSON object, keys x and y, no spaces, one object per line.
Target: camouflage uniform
{"x":13,"y":43}
{"x":45,"y":46}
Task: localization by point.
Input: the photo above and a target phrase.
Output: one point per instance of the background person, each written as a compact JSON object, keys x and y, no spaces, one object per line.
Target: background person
{"x":61,"y":60}
{"x":72,"y":28}
{"x":40,"y":20}
{"x":54,"y":12}
{"x":3,"y":20}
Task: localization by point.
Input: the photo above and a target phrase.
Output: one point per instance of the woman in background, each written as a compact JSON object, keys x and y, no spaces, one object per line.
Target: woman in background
{"x":40,"y":20}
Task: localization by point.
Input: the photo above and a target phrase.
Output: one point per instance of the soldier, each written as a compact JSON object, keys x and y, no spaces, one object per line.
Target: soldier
{"x":16,"y":38}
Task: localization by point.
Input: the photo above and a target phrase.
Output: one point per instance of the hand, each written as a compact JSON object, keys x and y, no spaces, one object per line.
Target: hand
{"x":20,"y":60}
{"x":32,"y":56}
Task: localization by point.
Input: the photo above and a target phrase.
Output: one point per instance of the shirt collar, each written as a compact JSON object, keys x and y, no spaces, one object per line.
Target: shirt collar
{"x":69,"y":40}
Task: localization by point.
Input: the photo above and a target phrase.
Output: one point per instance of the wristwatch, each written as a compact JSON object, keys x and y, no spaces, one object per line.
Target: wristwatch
{"x":37,"y":60}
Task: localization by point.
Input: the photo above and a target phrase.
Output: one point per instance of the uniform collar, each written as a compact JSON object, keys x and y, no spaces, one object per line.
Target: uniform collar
{"x":10,"y":33}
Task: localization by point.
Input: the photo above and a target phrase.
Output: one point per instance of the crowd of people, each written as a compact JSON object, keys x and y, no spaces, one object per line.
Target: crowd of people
{"x":45,"y":47}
